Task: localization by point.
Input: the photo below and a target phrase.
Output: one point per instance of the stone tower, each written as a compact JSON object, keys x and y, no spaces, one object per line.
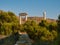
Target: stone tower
{"x":44,"y":15}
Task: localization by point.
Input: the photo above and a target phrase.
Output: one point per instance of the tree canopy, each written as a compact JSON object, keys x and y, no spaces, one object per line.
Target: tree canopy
{"x":8,"y":22}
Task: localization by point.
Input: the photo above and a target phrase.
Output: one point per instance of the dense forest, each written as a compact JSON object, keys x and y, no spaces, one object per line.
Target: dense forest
{"x":42,"y":32}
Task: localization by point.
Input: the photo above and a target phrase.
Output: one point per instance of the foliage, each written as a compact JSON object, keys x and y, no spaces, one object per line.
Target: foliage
{"x":39,"y":32}
{"x":58,"y":23}
{"x":52,"y":26}
{"x":57,"y":42}
{"x":8,"y":22}
{"x":43,"y":23}
{"x":43,"y":31}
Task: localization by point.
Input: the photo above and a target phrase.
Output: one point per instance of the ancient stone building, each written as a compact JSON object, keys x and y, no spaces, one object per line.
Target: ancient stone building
{"x":23,"y":17}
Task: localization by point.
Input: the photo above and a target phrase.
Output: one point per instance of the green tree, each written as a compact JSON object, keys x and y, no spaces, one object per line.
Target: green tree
{"x":52,"y":26}
{"x":8,"y":22}
{"x":13,"y":16}
{"x":43,"y":23}
{"x":58,"y":29}
{"x":58,"y":23}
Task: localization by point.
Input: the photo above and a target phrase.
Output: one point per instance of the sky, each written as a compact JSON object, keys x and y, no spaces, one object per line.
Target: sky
{"x":32,"y":7}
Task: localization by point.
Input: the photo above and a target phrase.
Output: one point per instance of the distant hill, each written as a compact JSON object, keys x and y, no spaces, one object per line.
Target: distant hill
{"x":38,"y":19}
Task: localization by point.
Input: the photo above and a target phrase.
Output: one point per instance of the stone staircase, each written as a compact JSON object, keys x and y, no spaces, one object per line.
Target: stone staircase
{"x":23,"y":39}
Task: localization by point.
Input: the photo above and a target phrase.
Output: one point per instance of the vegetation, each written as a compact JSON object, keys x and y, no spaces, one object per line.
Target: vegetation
{"x":42,"y":32}
{"x":58,"y":29}
{"x":8,"y":23}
